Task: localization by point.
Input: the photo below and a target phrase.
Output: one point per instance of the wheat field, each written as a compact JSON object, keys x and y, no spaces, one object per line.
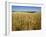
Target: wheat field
{"x":26,"y":21}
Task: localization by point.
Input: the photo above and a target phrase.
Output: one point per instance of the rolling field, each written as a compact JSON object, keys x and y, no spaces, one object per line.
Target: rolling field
{"x":26,"y":21}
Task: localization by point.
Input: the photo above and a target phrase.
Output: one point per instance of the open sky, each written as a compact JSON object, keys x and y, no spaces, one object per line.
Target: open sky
{"x":25,"y":8}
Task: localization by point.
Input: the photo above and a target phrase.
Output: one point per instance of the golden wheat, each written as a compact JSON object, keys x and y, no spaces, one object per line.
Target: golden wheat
{"x":26,"y":21}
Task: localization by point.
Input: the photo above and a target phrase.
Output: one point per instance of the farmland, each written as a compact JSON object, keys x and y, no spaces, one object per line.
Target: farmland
{"x":26,"y":21}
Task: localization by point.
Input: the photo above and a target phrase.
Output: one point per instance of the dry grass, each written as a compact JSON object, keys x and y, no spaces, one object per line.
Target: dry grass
{"x":26,"y":21}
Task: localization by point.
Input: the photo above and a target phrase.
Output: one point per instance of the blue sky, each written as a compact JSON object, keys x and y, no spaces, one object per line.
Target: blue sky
{"x":25,"y":8}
